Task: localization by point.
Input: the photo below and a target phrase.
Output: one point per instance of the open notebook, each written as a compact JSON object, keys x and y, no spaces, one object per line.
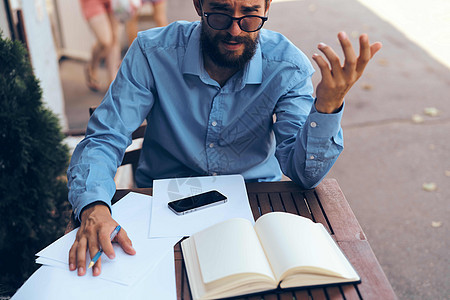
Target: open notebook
{"x":281,"y":250}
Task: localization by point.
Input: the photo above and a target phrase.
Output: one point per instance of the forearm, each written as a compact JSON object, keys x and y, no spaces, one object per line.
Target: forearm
{"x":94,"y":164}
{"x":308,"y":157}
{"x":90,"y":179}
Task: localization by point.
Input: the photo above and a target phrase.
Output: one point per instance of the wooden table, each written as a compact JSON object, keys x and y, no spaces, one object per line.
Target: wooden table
{"x":325,"y":204}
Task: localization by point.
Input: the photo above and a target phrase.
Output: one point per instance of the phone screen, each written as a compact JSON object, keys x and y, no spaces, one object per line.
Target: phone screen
{"x":196,"y":202}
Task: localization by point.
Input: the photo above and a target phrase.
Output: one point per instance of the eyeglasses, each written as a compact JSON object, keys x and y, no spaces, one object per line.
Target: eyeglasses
{"x":220,"y":21}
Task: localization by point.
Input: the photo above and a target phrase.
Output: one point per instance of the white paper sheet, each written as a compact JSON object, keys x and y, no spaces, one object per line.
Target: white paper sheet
{"x":133,"y":213}
{"x":164,"y":223}
{"x":158,"y":284}
{"x":124,"y":269}
{"x":51,"y":262}
{"x":53,"y":283}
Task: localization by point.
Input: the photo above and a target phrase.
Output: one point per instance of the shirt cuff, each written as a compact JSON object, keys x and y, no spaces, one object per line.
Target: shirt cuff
{"x":87,"y":200}
{"x":324,"y":125}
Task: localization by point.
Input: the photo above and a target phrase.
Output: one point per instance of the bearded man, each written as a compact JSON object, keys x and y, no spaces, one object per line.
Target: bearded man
{"x":209,"y":92}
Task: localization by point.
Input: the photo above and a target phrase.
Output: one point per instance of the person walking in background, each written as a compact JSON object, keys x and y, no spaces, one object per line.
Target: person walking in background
{"x":103,"y":24}
{"x":159,"y":17}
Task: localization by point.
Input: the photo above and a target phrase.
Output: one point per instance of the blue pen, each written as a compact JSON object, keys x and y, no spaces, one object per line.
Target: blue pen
{"x":99,"y":253}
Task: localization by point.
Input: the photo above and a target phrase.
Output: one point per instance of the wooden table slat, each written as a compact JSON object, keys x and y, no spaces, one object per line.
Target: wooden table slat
{"x":276,"y":202}
{"x":270,"y":297}
{"x":286,"y":296}
{"x":178,"y":277}
{"x":288,"y":203}
{"x":264,"y":203}
{"x":302,"y":208}
{"x":318,"y":293}
{"x":265,"y":187}
{"x":334,"y":293}
{"x":185,"y":284}
{"x":350,"y":293}
{"x":302,"y":295}
{"x":253,"y":200}
{"x":316,"y":210}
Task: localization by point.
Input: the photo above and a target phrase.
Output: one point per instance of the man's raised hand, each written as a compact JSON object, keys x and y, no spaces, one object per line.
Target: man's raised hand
{"x":337,"y":79}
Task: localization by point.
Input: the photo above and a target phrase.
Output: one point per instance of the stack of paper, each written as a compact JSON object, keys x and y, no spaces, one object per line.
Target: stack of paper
{"x":56,"y":283}
{"x":149,"y":274}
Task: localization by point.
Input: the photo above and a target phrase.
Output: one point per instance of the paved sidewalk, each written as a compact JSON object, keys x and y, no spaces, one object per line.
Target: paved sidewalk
{"x":387,"y":157}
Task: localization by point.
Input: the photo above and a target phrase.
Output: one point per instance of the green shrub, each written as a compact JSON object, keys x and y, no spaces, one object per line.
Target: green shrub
{"x":33,"y":159}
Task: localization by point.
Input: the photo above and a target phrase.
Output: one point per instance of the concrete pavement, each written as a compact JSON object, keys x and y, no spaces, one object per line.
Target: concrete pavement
{"x":387,"y":157}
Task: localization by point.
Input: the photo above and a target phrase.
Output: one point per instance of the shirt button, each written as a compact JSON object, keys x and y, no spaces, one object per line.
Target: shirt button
{"x":214,"y":123}
{"x":313,"y":124}
{"x":211,"y":145}
{"x":312,"y":157}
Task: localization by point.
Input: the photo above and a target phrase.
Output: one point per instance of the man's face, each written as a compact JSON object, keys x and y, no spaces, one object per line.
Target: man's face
{"x":232,"y":47}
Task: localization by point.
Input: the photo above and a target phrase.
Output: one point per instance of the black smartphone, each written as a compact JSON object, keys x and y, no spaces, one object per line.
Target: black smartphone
{"x":196,"y":202}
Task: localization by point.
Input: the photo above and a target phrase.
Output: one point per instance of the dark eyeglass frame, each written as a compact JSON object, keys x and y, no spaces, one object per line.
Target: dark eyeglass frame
{"x":232,"y":19}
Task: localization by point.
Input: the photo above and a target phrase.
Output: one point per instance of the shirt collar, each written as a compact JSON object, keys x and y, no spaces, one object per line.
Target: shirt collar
{"x":253,"y":70}
{"x":193,"y":60}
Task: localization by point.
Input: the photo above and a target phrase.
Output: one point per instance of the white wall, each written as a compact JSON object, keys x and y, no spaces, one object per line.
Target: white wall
{"x":43,"y":55}
{"x":77,"y":38}
{"x":3,"y":21}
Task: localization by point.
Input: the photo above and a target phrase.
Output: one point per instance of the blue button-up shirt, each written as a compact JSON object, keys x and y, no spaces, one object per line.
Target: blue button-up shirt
{"x":260,"y":122}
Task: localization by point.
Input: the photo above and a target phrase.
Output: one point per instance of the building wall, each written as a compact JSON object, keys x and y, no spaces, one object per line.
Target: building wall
{"x":76,"y":37}
{"x":43,"y":55}
{"x":3,"y":21}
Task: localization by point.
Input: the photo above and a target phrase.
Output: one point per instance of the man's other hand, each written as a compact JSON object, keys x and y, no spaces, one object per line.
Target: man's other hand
{"x":337,"y":79}
{"x":94,"y":232}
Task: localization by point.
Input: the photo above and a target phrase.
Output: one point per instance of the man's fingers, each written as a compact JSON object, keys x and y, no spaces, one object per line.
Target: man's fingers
{"x":125,"y":242}
{"x":94,"y":247}
{"x":333,"y":58}
{"x":73,"y":256}
{"x":323,"y":66}
{"x":364,"y":53}
{"x":105,"y":242}
{"x":81,"y":256}
{"x":374,"y":48}
{"x":349,"y":52}
{"x":97,"y":269}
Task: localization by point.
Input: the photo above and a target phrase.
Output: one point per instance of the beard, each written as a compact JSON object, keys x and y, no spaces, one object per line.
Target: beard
{"x":210,"y":47}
